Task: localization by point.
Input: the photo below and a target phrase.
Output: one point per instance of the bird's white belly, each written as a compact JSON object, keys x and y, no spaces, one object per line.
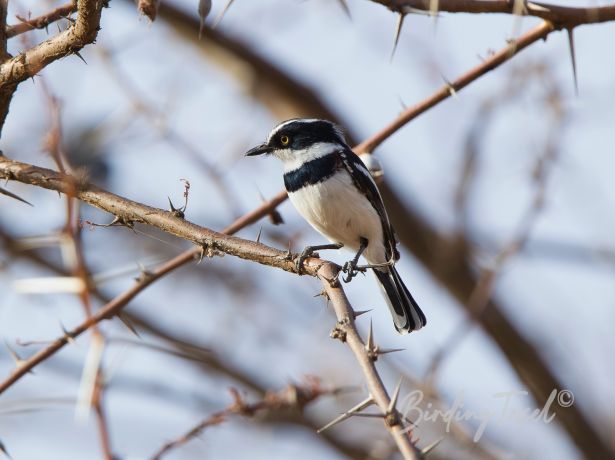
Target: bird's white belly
{"x":338,"y":211}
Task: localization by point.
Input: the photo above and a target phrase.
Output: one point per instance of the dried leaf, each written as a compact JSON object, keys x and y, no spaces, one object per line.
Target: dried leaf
{"x":149,"y":8}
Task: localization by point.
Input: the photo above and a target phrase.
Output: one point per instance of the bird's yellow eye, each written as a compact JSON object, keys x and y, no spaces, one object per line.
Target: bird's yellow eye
{"x":285,"y":140}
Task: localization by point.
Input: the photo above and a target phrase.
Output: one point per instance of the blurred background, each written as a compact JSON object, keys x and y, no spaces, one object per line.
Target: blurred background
{"x":502,"y":197}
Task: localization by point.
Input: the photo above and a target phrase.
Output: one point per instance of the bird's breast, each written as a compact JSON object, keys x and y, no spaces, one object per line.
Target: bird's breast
{"x":336,"y":209}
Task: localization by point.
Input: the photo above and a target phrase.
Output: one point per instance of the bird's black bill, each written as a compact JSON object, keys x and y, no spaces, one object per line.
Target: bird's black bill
{"x":259,"y":150}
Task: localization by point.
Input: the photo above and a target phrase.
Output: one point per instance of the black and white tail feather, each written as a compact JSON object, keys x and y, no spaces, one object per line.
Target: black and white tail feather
{"x":407,"y":315}
{"x":333,"y":190}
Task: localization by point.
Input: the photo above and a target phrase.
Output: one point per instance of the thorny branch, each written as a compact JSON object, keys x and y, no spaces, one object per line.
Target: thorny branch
{"x":207,"y":361}
{"x":422,"y":239}
{"x":128,"y":211}
{"x":561,"y":16}
{"x":26,"y":65}
{"x":42,"y":21}
{"x":558,"y":23}
{"x":291,"y":398}
{"x":537,"y":33}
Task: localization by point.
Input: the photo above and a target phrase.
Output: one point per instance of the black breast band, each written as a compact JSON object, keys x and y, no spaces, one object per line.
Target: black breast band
{"x":312,"y":172}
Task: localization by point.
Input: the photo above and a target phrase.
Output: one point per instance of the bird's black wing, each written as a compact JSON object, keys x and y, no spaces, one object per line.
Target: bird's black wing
{"x":366,"y":185}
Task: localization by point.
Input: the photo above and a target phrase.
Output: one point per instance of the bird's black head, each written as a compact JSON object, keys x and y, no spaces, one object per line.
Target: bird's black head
{"x":298,"y":135}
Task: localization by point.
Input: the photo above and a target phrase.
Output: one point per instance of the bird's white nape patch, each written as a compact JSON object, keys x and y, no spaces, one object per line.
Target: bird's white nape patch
{"x":294,"y":159}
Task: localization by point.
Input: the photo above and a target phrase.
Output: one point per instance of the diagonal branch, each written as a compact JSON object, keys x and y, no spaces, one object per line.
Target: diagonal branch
{"x":537,"y":33}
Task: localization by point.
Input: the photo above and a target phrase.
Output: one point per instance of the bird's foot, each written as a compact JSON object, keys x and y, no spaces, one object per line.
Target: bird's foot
{"x":351,"y":269}
{"x":310,"y":251}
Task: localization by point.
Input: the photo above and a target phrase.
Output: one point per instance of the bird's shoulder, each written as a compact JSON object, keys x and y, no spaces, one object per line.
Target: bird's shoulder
{"x":365,"y":183}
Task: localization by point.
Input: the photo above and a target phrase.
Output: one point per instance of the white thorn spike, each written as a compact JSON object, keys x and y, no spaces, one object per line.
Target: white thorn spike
{"x":395,"y":397}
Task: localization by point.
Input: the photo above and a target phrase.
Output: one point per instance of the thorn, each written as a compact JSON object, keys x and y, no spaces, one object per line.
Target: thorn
{"x":370,"y":415}
{"x":344,"y":6}
{"x":204,"y":9}
{"x":67,"y":335}
{"x":431,"y":447}
{"x":12,"y":195}
{"x":536,"y":7}
{"x":354,"y":411}
{"x":434,"y":7}
{"x":361,"y":312}
{"x":131,"y":327}
{"x":221,"y":15}
{"x":201,"y":254}
{"x":395,"y":397}
{"x":384,"y":351}
{"x":144,"y":273}
{"x":449,"y":86}
{"x":400,"y":23}
{"x":18,"y":359}
{"x":573,"y":59}
{"x":76,"y":53}
{"x":258,"y":237}
{"x":369,"y":346}
{"x":177,"y":212}
{"x":4,"y":451}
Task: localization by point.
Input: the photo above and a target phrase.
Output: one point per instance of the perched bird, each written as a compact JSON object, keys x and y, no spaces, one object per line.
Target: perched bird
{"x":331,"y":188}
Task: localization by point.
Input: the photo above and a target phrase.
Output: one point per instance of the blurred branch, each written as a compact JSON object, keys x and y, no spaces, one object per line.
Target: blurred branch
{"x":159,"y":120}
{"x":113,"y":307}
{"x":448,"y":261}
{"x":42,"y":21}
{"x":561,"y":16}
{"x":29,"y":63}
{"x":205,"y":359}
{"x":479,"y":298}
{"x":283,"y":96}
{"x":292,"y":398}
{"x":537,"y":33}
{"x":91,"y":387}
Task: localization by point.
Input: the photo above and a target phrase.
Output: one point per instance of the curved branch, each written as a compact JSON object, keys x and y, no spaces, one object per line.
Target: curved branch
{"x":561,"y":16}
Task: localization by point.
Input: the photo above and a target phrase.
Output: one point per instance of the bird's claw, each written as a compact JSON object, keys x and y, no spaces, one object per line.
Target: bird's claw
{"x":351,"y":269}
{"x":306,"y":253}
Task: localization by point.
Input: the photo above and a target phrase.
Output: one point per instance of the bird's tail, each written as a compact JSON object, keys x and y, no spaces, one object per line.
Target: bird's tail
{"x":406,"y":313}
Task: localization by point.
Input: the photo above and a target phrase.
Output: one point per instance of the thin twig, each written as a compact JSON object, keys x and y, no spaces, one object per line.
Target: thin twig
{"x":537,"y":33}
{"x":293,"y":397}
{"x":42,"y":21}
